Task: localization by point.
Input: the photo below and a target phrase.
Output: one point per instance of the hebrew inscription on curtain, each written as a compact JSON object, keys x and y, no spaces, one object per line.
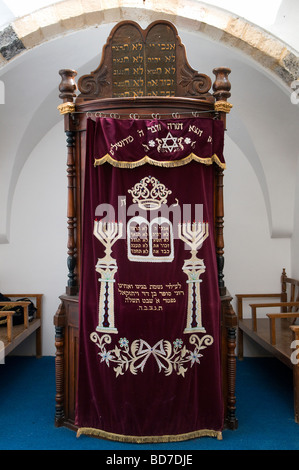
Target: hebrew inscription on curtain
{"x":149,"y":362}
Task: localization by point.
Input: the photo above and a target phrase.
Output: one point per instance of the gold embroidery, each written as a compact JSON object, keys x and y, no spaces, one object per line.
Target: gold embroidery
{"x":167,"y":163}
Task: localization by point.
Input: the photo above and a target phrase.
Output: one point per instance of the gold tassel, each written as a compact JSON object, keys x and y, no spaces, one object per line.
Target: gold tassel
{"x":148,"y":439}
{"x":166,"y":164}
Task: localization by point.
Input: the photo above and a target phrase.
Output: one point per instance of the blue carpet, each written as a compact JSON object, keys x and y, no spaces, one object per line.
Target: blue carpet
{"x":264,"y":410}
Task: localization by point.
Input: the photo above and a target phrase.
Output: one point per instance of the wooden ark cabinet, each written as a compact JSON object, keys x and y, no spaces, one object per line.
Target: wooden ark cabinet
{"x":180,"y":90}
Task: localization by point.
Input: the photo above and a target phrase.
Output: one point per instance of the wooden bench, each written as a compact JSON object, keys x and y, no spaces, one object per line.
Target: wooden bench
{"x":276,"y":332}
{"x":11,"y":335}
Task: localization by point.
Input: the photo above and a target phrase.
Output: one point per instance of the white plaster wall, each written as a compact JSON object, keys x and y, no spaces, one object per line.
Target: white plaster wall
{"x":295,"y":237}
{"x":253,"y":260}
{"x":34,"y":261}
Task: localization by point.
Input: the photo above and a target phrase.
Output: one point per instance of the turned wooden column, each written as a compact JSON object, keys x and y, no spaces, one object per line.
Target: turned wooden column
{"x":67,"y":89}
{"x":221,"y":88}
{"x":59,"y":322}
{"x":229,"y":320}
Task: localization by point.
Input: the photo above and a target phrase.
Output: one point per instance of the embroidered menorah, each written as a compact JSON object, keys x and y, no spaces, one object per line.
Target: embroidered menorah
{"x":107,"y":233}
{"x":193,"y":235}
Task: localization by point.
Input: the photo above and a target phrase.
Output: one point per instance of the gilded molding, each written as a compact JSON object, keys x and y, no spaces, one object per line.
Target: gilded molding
{"x":66,"y":108}
{"x":223,"y":106}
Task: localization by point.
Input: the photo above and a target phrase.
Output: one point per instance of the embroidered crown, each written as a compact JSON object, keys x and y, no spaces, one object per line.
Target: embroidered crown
{"x":149,"y":193}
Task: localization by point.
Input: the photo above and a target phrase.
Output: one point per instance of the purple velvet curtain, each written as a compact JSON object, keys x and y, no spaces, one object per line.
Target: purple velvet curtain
{"x":149,"y":355}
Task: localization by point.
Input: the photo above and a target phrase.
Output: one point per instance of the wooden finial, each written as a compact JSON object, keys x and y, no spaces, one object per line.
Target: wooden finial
{"x":67,"y":85}
{"x":221,"y":88}
{"x":67,"y":90}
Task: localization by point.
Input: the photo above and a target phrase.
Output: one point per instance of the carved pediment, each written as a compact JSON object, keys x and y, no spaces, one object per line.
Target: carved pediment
{"x":139,"y":63}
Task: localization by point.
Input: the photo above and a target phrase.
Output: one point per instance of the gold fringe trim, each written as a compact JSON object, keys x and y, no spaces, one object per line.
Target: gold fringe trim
{"x":148,"y":439}
{"x":166,"y":164}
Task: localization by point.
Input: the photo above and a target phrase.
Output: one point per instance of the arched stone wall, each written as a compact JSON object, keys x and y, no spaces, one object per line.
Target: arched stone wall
{"x":69,"y":16}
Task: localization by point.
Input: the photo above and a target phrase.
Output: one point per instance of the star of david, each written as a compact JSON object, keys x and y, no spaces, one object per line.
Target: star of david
{"x":167,"y":145}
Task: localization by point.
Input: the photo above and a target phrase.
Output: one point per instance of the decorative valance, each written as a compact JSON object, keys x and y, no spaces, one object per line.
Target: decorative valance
{"x":128,"y":143}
